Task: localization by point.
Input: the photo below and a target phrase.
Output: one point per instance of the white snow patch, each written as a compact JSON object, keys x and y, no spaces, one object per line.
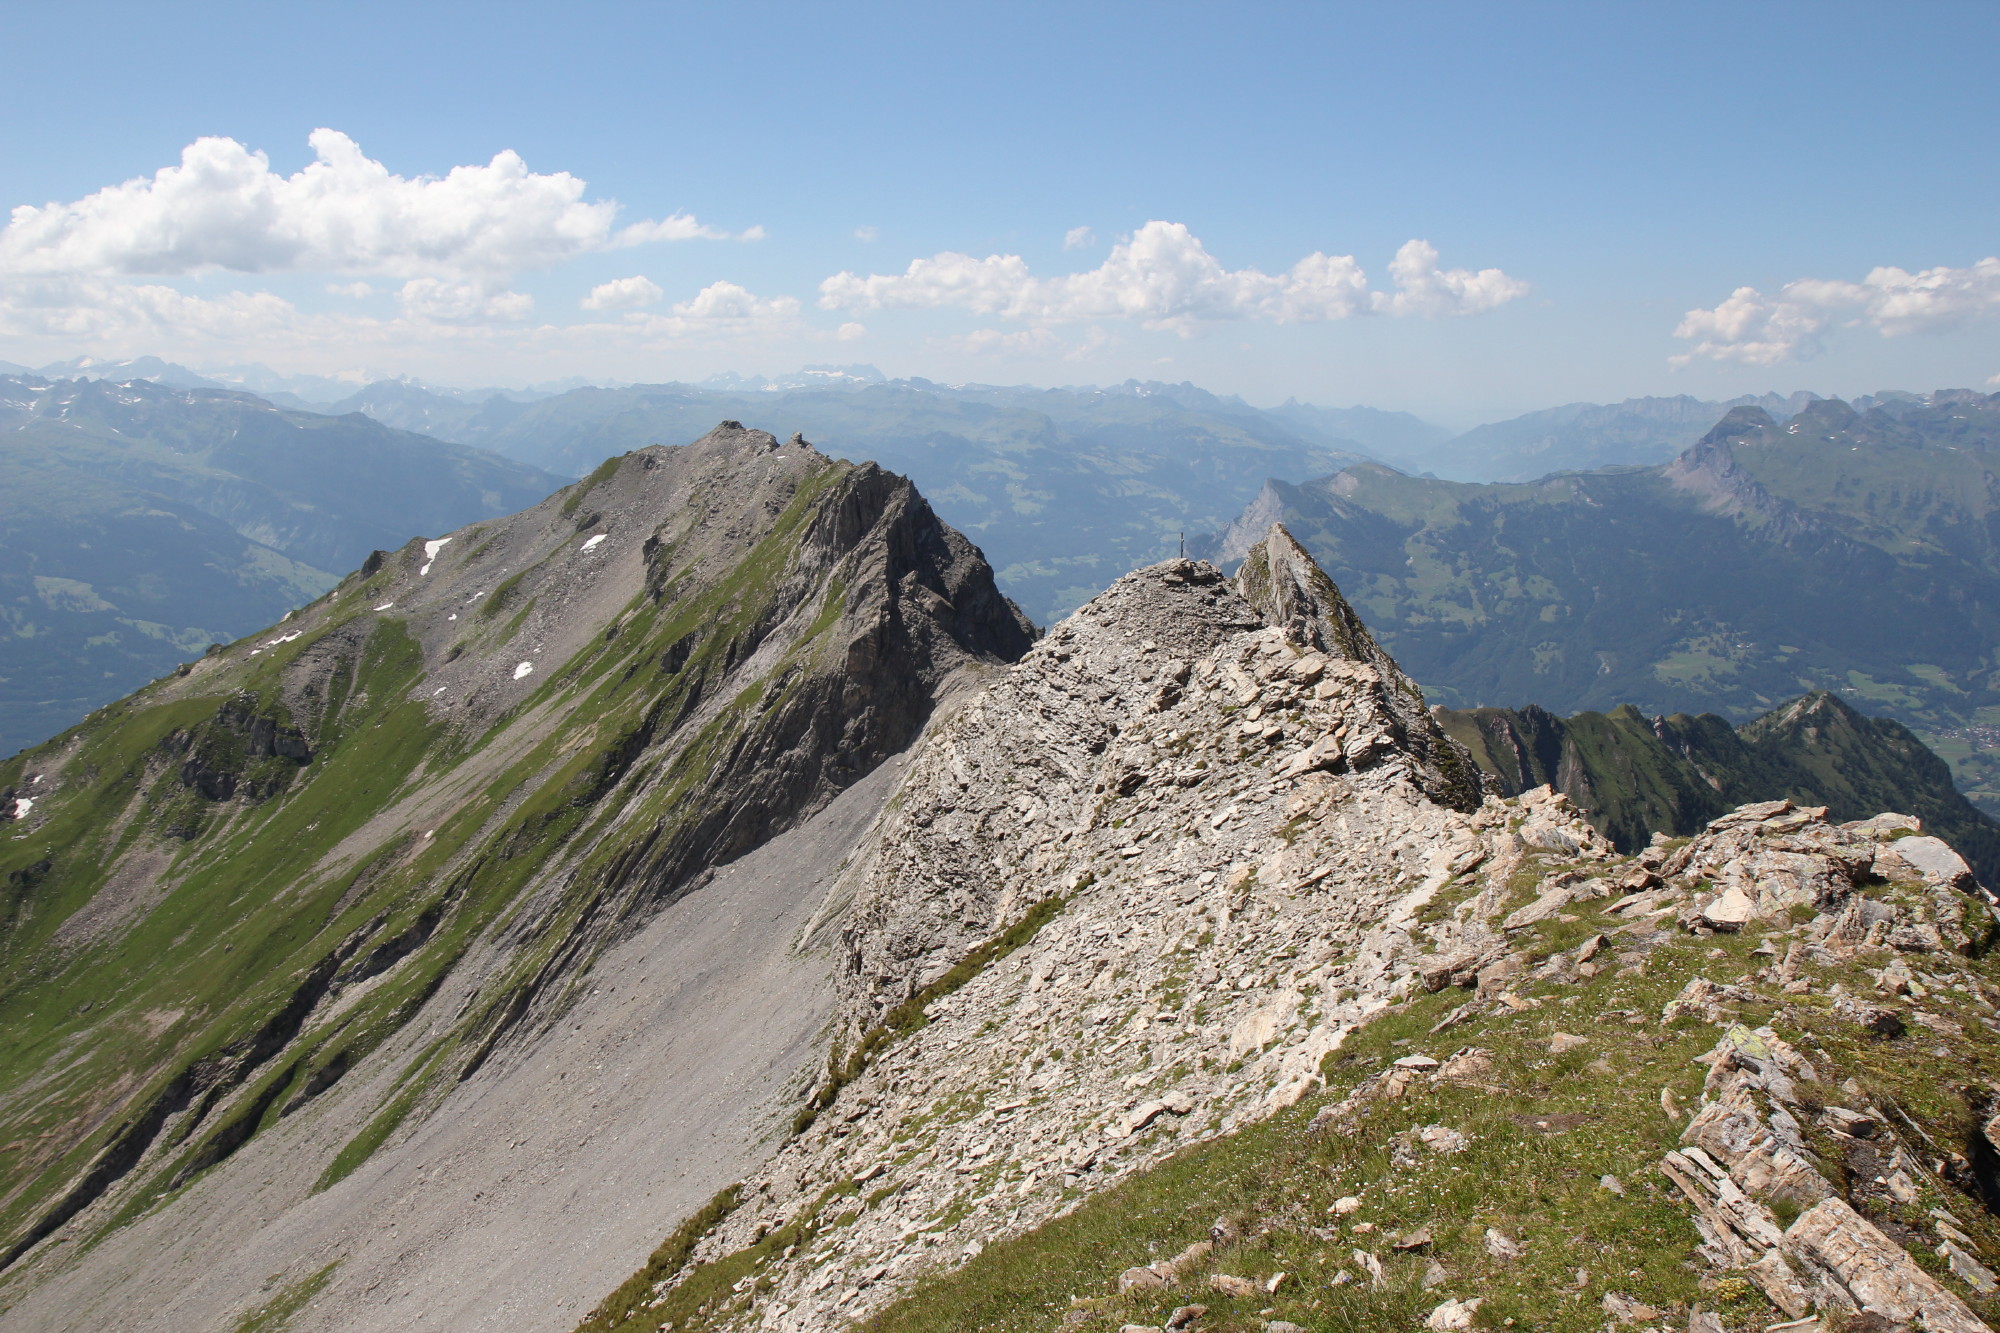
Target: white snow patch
{"x":523,"y":670}
{"x":439,"y":690}
{"x":385,"y":606}
{"x":22,"y":805}
{"x":452,"y":616}
{"x":595,"y":540}
{"x":431,"y":550}
{"x":284,"y":638}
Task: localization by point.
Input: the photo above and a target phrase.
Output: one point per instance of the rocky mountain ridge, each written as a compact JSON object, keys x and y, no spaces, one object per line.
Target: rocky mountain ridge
{"x":1167,"y":734}
{"x":381,"y":849}
{"x":1139,"y":896}
{"x":1168,"y":970}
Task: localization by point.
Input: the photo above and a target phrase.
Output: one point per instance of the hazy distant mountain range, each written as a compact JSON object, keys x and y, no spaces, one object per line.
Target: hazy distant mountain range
{"x":1577,"y":437}
{"x":1064,"y":489}
{"x":1572,"y":437}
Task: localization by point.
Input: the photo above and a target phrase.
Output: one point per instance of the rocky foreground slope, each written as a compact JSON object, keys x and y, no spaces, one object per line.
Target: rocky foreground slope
{"x":1186,"y":984}
{"x":321,"y":957}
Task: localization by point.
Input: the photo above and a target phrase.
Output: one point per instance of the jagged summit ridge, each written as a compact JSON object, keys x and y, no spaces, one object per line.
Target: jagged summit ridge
{"x":1283,"y":582}
{"x":1135,"y":893}
{"x":1088,"y":718}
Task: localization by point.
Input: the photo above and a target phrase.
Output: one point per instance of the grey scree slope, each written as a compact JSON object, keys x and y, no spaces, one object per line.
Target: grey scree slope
{"x":538,"y":1186}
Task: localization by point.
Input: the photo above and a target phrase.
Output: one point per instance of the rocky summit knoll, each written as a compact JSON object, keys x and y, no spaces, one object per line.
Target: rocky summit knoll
{"x":327,"y":959}
{"x":1188,"y":982}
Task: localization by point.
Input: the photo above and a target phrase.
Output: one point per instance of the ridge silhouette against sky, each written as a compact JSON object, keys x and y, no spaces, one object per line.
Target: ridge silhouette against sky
{"x":1458,"y":209}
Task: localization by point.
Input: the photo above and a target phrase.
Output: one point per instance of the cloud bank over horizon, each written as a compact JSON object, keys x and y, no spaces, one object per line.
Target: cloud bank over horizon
{"x":77,"y":271}
{"x":223,"y":208}
{"x":184,"y":261}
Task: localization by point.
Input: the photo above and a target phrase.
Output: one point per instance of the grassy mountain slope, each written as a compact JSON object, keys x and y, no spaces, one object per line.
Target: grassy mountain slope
{"x":1839,"y":551}
{"x":477,"y":762}
{"x":1635,"y":776}
{"x":1555,"y":1213}
{"x":142,"y":523}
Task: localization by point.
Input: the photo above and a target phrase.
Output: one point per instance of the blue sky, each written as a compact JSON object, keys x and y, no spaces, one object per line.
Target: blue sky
{"x":1586,"y":175}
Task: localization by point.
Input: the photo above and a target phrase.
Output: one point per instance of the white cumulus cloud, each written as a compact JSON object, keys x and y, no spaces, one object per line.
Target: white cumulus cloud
{"x":623,"y":294}
{"x":1079,"y":238}
{"x":727,"y":301}
{"x":1163,"y":277}
{"x":1422,"y":288}
{"x":1760,"y":330}
{"x":223,"y":208}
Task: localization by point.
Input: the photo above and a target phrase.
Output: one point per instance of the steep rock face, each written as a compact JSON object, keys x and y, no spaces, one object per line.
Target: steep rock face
{"x":1128,"y":896}
{"x":375,"y":850}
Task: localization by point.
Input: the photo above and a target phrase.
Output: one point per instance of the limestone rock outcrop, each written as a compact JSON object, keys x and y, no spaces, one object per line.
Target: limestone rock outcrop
{"x":1218,"y":834}
{"x":1292,"y":592}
